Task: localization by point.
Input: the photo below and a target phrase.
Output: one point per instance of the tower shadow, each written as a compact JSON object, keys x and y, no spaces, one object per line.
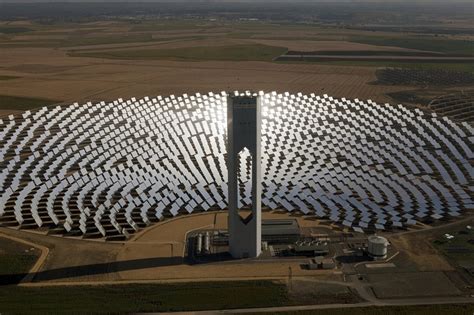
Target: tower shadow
{"x":93,"y":269}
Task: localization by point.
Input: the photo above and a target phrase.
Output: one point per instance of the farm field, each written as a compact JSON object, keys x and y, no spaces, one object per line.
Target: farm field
{"x":255,"y":52}
{"x":143,"y":297}
{"x":467,"y":68}
{"x":422,"y":77}
{"x":460,"y":248}
{"x":182,"y":297}
{"x":7,"y":77}
{"x":23,"y":103}
{"x":458,"y":309}
{"x":95,"y":61}
{"x":16,"y":257}
{"x":57,"y":54}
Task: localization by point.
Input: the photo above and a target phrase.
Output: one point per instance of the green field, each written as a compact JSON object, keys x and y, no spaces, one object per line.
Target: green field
{"x":23,"y":103}
{"x":15,"y":260}
{"x":458,"y":249}
{"x":121,"y":32}
{"x":142,"y":298}
{"x":412,"y":97}
{"x":128,"y":298}
{"x":465,"y":67}
{"x":80,"y":40}
{"x":103,"y":40}
{"x":14,"y":29}
{"x":172,"y":25}
{"x":459,"y":47}
{"x":449,"y":309}
{"x":30,"y":44}
{"x":7,"y":77}
{"x":223,"y":53}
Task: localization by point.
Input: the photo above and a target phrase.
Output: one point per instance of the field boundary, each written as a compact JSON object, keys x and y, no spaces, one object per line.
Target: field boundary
{"x":39,"y":262}
{"x":389,"y":58}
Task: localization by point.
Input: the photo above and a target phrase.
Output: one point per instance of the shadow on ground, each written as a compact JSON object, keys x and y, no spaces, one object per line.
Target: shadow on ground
{"x":349,"y":259}
{"x":93,"y":269}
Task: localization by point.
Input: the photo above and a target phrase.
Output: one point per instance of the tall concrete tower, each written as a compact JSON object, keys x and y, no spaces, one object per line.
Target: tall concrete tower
{"x":244,"y":131}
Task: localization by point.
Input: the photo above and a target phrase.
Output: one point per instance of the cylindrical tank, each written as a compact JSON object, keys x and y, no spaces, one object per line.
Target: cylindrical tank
{"x":199,"y":243}
{"x":207,"y":243}
{"x":377,"y":247}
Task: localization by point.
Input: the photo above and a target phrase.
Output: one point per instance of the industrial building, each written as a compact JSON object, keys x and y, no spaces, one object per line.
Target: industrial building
{"x":280,"y":231}
{"x":309,"y":250}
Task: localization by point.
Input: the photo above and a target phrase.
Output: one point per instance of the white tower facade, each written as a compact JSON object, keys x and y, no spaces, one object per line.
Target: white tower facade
{"x":244,"y":131}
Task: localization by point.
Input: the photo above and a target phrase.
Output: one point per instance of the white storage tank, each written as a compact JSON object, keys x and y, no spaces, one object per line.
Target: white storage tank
{"x":207,"y":243}
{"x":199,"y":243}
{"x":377,"y":247}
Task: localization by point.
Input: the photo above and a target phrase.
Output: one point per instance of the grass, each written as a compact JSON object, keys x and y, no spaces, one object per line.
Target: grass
{"x":16,"y":263}
{"x":228,"y":53}
{"x":143,"y":297}
{"x":409,"y":97}
{"x":14,"y":29}
{"x":129,"y":298}
{"x":81,"y":40}
{"x":465,"y":67}
{"x":452,"y":309}
{"x":23,"y":103}
{"x":458,"y":47}
{"x":134,"y":45}
{"x":365,"y":53}
{"x":178,"y":25}
{"x":16,"y":259}
{"x":402,"y":76}
{"x":103,"y":40}
{"x":7,"y":77}
{"x":460,"y":241}
{"x":29,"y":44}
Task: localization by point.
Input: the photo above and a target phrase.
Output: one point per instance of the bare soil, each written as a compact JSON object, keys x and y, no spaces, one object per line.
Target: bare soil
{"x":420,"y":251}
{"x":50,"y":73}
{"x":322,"y":45}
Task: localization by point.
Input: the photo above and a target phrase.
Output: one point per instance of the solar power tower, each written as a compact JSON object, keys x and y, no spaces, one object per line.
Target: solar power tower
{"x":244,"y":132}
